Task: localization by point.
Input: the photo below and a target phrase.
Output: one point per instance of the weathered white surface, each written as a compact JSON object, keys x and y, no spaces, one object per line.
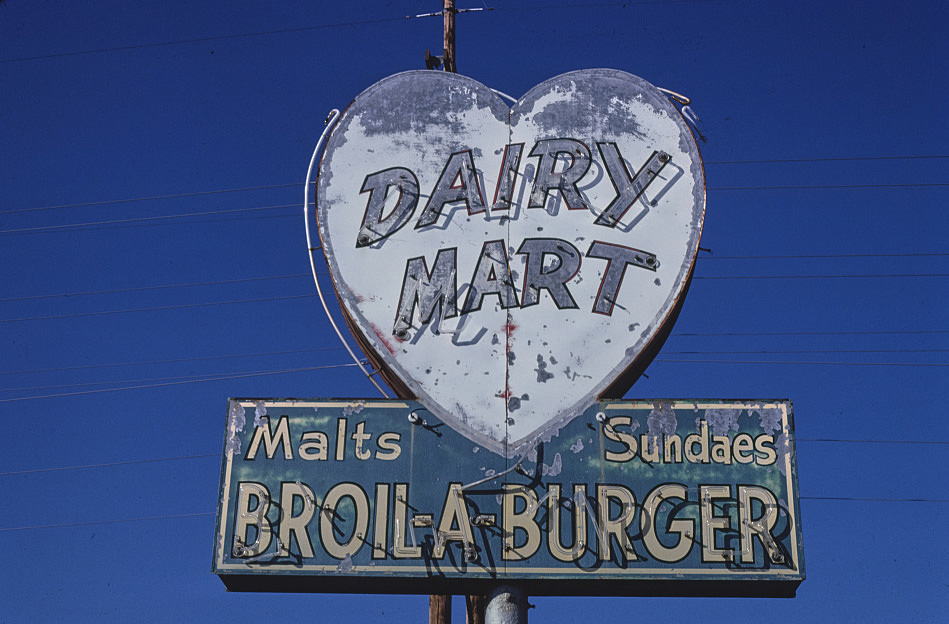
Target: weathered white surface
{"x":506,"y":605}
{"x":527,"y":359}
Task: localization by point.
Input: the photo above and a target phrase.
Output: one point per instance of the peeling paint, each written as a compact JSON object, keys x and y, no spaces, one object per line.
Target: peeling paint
{"x":554,"y":468}
{"x":770,"y":418}
{"x":356,"y":407}
{"x":542,"y":373}
{"x":346,"y":565}
{"x":260,"y":414}
{"x":423,"y":124}
{"x":661,"y":421}
{"x":722,"y":421}
{"x":236,"y":420}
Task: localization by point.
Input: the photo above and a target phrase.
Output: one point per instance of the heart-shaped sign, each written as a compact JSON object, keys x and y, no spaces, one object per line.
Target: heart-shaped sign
{"x":508,"y":266}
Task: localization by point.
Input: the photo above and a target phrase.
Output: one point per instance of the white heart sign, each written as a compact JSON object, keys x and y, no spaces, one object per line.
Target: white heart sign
{"x":508,"y":266}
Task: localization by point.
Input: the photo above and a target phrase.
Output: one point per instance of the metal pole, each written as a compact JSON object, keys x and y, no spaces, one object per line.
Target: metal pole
{"x":449,"y":15}
{"x":506,"y":605}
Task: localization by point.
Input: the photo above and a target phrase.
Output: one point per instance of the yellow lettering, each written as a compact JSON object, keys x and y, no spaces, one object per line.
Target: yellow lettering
{"x":313,"y":445}
{"x":684,"y":529}
{"x":700,"y":438}
{"x":615,"y":527}
{"x":295,"y":525}
{"x":361,"y":436}
{"x":742,"y":445}
{"x":711,"y":523}
{"x":328,"y":520}
{"x":400,"y":512}
{"x":454,"y":512}
{"x":559,"y":551}
{"x":760,"y":527}
{"x":388,"y":443}
{"x":721,"y":450}
{"x":248,"y":494}
{"x":623,"y":438}
{"x":271,"y":440}
{"x":764,"y":450}
{"x":524,"y":520}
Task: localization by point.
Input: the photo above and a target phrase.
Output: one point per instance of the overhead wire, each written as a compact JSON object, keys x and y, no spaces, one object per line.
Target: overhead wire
{"x":158,"y":44}
{"x":171,"y":361}
{"x":823,"y":256}
{"x":177,"y":383}
{"x":133,"y":462}
{"x":155,"y":287}
{"x":148,"y":220}
{"x":703,"y":258}
{"x":182,"y":306}
{"x":211,"y":513}
{"x":295,"y":184}
{"x":47,"y":228}
{"x":827,"y":276}
{"x":809,"y":363}
{"x":152,"y":197}
{"x":214,"y":377}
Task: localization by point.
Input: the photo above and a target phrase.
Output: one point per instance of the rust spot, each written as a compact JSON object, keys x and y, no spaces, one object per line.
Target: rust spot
{"x":382,"y":338}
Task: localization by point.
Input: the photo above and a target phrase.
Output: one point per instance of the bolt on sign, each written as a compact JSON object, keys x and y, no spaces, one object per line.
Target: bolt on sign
{"x":630,"y":498}
{"x":508,"y":266}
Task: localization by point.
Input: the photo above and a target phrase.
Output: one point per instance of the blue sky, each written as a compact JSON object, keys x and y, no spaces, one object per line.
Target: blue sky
{"x":154,"y":264}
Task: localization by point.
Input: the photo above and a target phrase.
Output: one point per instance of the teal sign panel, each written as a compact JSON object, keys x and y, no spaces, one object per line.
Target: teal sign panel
{"x":671,"y":497}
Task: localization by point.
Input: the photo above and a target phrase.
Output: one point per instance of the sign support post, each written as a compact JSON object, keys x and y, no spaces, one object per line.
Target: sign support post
{"x":449,"y":14}
{"x":474,"y":605}
{"x":506,"y":605}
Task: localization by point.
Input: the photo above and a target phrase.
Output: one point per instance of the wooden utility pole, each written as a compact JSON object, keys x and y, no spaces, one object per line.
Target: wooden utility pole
{"x":448,"y":12}
{"x":439,"y":609}
{"x":474,"y":609}
{"x":439,"y":605}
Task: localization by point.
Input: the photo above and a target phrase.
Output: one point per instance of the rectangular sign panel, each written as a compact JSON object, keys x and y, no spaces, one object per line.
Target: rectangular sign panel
{"x":679,"y":497}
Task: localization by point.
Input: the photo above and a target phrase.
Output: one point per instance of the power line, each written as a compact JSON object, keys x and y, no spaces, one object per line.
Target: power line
{"x":296,"y":276}
{"x":872,"y":441}
{"x":809,"y":351}
{"x":174,"y":361}
{"x":178,"y":383}
{"x":159,"y":44}
{"x":824,"y":159}
{"x":306,"y":275}
{"x":319,"y":349}
{"x":47,"y":228}
{"x":877,"y":500}
{"x":152,"y":309}
{"x":809,"y":363}
{"x":146,"y":220}
{"x":115,"y":521}
{"x":108,"y":464}
{"x":198,"y":377}
{"x":816,"y":333}
{"x":153,"y":197}
{"x":805,"y":256}
{"x":826,"y":186}
{"x":211,"y":513}
{"x":136,"y":381}
{"x":839,"y":276}
{"x":157,"y":287}
{"x":294,"y":184}
{"x":218,"y":455}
